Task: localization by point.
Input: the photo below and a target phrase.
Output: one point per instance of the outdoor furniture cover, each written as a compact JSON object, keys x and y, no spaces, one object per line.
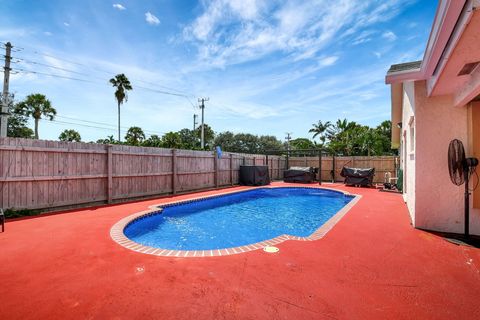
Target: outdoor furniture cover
{"x":254,"y":176}
{"x":357,"y":176}
{"x":299,"y":174}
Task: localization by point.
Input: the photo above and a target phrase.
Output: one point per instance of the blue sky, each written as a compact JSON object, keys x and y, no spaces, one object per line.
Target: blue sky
{"x":268,"y":67}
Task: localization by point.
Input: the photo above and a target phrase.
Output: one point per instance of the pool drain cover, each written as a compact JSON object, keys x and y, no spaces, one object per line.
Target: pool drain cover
{"x":271,"y":249}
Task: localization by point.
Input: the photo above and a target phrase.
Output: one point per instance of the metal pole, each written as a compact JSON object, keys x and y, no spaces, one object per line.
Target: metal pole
{"x":333,"y":168}
{"x":320,"y":167}
{"x":5,"y":100}
{"x":268,"y":167}
{"x":467,"y":205}
{"x":202,"y":133}
{"x":195,"y":121}
{"x":202,"y":137}
{"x":287,"y":163}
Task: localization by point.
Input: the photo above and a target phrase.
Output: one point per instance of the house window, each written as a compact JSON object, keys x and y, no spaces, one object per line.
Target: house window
{"x":412,"y":139}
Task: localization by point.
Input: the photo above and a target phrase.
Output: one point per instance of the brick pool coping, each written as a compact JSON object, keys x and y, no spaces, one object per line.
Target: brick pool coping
{"x":117,"y":230}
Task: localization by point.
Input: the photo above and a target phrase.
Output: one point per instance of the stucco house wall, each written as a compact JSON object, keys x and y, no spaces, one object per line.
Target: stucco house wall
{"x":439,"y":203}
{"x":407,"y":156}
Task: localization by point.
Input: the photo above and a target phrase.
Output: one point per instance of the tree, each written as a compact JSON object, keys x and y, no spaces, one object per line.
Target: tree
{"x":153,"y":141}
{"x":246,"y":143}
{"x":302,"y":143}
{"x":226,"y":140}
{"x":266,"y":143}
{"x":189,"y":139}
{"x":209,"y":135}
{"x":135,"y":136}
{"x":384,"y":131}
{"x":320,"y":129}
{"x":17,"y":124}
{"x":35,"y":106}
{"x":171,"y":140}
{"x":109,"y":140}
{"x":70,"y":135}
{"x":17,"y":128}
{"x":122,"y":85}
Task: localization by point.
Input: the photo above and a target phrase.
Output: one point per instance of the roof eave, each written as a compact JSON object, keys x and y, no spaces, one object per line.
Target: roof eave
{"x":448,"y":12}
{"x":401,"y":76}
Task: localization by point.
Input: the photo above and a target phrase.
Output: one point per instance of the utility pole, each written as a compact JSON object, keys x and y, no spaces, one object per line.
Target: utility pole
{"x":195,"y":122}
{"x":288,"y":138}
{"x":202,"y":136}
{"x":5,"y":96}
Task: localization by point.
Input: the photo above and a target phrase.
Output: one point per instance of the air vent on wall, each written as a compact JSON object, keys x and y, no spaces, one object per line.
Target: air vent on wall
{"x":468,"y":68}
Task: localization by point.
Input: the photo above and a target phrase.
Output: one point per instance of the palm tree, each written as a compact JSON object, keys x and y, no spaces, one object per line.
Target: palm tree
{"x":135,"y":136}
{"x":109,"y":140}
{"x":320,"y":129}
{"x":35,"y":106}
{"x":172,"y":140}
{"x":70,"y":135}
{"x":121,"y":82}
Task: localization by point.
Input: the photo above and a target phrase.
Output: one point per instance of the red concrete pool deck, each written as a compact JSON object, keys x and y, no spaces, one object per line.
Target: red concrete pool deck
{"x":371,"y":265}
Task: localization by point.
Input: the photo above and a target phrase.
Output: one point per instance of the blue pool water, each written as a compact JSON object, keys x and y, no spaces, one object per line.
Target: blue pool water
{"x":238,"y":219}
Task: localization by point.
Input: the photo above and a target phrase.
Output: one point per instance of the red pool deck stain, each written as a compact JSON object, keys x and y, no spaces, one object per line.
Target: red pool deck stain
{"x":371,"y":265}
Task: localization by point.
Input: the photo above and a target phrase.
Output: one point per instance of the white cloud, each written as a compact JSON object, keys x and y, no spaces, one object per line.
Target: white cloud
{"x":7,"y":33}
{"x":328,"y":61}
{"x":151,"y":19}
{"x":48,"y":33}
{"x":363,"y":37}
{"x":234,"y":31}
{"x":389,"y":35}
{"x":66,"y":24}
{"x":58,"y":66}
{"x":118,"y":6}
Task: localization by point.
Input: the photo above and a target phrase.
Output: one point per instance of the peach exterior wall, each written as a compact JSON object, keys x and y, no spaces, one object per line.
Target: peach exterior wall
{"x":439,"y":204}
{"x":408,"y":158}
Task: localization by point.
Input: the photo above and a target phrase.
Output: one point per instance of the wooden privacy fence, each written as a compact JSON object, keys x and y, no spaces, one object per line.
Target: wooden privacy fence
{"x":382,"y":165}
{"x":38,"y":174}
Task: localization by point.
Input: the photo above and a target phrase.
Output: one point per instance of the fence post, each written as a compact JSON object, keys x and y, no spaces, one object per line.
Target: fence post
{"x":278,"y":167}
{"x":215,"y":165}
{"x":174,"y":171}
{"x":109,"y":174}
{"x":333,"y":168}
{"x":265,"y":160}
{"x":320,"y":167}
{"x":231,"y":169}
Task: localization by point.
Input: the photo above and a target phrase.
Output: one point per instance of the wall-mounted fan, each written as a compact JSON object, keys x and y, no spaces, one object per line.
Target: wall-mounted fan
{"x":461,"y":170}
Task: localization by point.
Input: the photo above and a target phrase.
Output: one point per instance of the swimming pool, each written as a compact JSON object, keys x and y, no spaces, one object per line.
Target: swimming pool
{"x":236,"y":220}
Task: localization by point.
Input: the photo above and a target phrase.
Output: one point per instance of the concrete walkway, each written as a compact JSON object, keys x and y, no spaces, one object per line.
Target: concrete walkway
{"x":371,"y":265}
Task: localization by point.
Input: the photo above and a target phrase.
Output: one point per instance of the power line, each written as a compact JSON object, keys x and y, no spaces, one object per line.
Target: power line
{"x":96,"y":82}
{"x":161,"y":86}
{"x":20,"y":59}
{"x":86,"y":125}
{"x":110,"y":73}
{"x":97,"y":126}
{"x":160,"y":91}
{"x":107,"y":124}
{"x":53,"y":75}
